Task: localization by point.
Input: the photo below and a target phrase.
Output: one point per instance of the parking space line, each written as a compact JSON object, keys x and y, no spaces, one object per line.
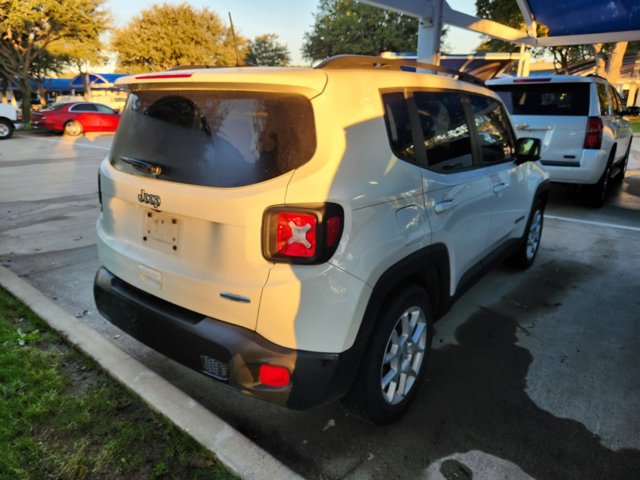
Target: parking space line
{"x":76,"y":144}
{"x":590,"y":222}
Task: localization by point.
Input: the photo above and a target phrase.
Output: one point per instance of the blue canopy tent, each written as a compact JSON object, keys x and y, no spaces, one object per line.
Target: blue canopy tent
{"x":97,"y":81}
{"x":570,"y":22}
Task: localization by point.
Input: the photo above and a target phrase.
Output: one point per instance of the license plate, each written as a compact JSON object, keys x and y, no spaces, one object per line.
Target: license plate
{"x":161,"y":231}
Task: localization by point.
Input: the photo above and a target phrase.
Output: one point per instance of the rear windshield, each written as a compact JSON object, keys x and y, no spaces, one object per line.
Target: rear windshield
{"x":568,"y":99}
{"x":213,"y":138}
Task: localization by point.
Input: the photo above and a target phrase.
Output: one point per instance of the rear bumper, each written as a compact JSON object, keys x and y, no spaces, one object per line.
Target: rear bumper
{"x":585,"y":170}
{"x":227,"y":353}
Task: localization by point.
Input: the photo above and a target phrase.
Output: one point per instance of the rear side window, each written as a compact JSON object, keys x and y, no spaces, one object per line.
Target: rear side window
{"x":567,"y":99}
{"x":445,"y":130}
{"x":397,"y":120}
{"x":214,"y":138}
{"x":606,"y":108}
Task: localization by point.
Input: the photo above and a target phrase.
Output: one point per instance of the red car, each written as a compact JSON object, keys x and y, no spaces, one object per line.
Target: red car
{"x":74,"y":118}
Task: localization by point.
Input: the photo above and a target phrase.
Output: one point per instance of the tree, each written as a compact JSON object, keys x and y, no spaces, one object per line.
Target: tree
{"x":501,"y":11}
{"x":80,"y":56}
{"x":166,"y":36}
{"x":343,"y":26}
{"x":266,"y":50}
{"x":28,"y":29}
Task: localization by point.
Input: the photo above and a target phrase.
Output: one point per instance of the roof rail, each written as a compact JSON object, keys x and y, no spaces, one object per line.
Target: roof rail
{"x":370,"y":61}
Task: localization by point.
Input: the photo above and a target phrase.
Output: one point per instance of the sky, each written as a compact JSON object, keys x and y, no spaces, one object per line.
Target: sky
{"x":289,"y":19}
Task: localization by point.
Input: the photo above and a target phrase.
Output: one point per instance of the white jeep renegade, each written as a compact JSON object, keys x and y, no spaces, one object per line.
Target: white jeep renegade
{"x":293,"y":233}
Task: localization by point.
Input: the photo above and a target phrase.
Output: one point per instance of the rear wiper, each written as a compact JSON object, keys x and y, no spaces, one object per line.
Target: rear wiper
{"x":143,"y":166}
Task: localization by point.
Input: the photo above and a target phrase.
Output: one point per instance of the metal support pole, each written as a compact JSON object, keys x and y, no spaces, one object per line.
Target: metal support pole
{"x":429,"y":33}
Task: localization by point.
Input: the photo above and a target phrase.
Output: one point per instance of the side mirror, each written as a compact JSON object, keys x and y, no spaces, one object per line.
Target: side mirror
{"x":528,"y":150}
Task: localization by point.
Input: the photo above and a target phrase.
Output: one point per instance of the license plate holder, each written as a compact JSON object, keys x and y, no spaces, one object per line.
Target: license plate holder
{"x":161,"y":230}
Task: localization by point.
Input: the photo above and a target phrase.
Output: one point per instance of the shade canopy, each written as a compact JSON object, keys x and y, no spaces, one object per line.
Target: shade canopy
{"x":570,"y":22}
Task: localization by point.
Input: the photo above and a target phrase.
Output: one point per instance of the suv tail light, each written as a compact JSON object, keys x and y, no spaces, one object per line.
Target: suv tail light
{"x":305,"y":234}
{"x":593,"y":137}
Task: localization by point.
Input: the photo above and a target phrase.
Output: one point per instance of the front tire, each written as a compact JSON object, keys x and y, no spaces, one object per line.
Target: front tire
{"x":73,"y":128}
{"x":528,"y":250}
{"x":395,"y":359}
{"x":6,"y":129}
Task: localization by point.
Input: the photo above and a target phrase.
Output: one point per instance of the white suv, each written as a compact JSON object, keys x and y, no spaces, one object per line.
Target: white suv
{"x":585,"y":139}
{"x":10,"y":119}
{"x":293,"y":233}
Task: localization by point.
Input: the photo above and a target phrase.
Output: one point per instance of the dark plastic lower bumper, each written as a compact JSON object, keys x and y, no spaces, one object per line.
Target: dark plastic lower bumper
{"x":225,"y":352}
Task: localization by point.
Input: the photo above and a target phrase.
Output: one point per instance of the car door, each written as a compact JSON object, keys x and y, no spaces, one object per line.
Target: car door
{"x":496,"y":144}
{"x":457,"y":193}
{"x":85,"y":113}
{"x":108,"y":118}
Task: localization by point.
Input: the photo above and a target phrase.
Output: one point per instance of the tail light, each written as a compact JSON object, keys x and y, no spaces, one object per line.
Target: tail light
{"x":304,"y":234}
{"x":593,"y":137}
{"x":274,"y":376}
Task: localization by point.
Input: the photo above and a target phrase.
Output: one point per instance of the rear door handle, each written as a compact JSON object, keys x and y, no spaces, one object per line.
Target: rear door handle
{"x":445,"y":205}
{"x":498,"y":187}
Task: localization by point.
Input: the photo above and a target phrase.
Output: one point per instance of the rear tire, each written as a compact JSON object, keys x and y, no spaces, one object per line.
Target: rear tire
{"x":595,"y":195}
{"x":73,"y":128}
{"x":526,"y":253}
{"x":619,"y":177}
{"x":6,"y":129}
{"x":395,"y":359}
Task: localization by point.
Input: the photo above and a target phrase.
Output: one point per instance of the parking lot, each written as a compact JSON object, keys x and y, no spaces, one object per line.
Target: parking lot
{"x":534,"y":374}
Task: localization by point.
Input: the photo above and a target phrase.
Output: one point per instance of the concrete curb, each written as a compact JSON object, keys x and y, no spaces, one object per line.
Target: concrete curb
{"x":239,"y":454}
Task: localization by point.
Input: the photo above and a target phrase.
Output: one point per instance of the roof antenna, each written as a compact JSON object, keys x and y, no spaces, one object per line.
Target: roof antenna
{"x":235,"y":42}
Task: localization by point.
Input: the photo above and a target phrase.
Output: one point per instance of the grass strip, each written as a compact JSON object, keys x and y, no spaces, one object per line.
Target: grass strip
{"x":62,"y":417}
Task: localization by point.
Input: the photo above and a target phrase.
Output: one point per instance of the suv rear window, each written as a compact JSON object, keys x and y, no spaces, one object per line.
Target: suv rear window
{"x":570,"y":99}
{"x":213,"y":138}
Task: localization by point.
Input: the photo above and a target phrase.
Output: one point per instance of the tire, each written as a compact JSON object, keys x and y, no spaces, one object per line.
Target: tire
{"x":73,"y":128}
{"x":619,"y":177}
{"x":6,"y":129}
{"x":595,"y":195}
{"x":395,"y":359}
{"x":528,"y":250}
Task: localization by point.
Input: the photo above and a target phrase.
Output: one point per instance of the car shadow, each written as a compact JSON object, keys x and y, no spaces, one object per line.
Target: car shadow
{"x":473,"y":399}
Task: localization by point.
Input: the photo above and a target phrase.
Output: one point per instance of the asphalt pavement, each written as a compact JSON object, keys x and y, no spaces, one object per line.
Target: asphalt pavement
{"x":534,"y":374}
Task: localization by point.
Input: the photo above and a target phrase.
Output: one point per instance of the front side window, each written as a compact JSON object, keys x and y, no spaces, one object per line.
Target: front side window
{"x":492,"y":127}
{"x":445,"y":130}
{"x":104,"y":109}
{"x":214,"y":138}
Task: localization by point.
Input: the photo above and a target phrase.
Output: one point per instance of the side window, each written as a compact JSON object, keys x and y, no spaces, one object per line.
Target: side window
{"x":84,"y":107}
{"x":103,"y":109}
{"x":445,"y":130}
{"x":617,"y":103}
{"x":492,"y":126}
{"x":397,"y":120}
{"x":603,"y":98}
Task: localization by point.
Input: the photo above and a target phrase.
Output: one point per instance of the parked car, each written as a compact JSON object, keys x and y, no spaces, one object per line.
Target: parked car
{"x":585,"y":138}
{"x":74,"y":118}
{"x":10,"y":119}
{"x":294,"y":233}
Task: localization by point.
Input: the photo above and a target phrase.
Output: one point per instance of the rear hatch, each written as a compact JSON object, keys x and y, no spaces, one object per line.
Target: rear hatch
{"x":554,"y":112}
{"x":191,"y":171}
